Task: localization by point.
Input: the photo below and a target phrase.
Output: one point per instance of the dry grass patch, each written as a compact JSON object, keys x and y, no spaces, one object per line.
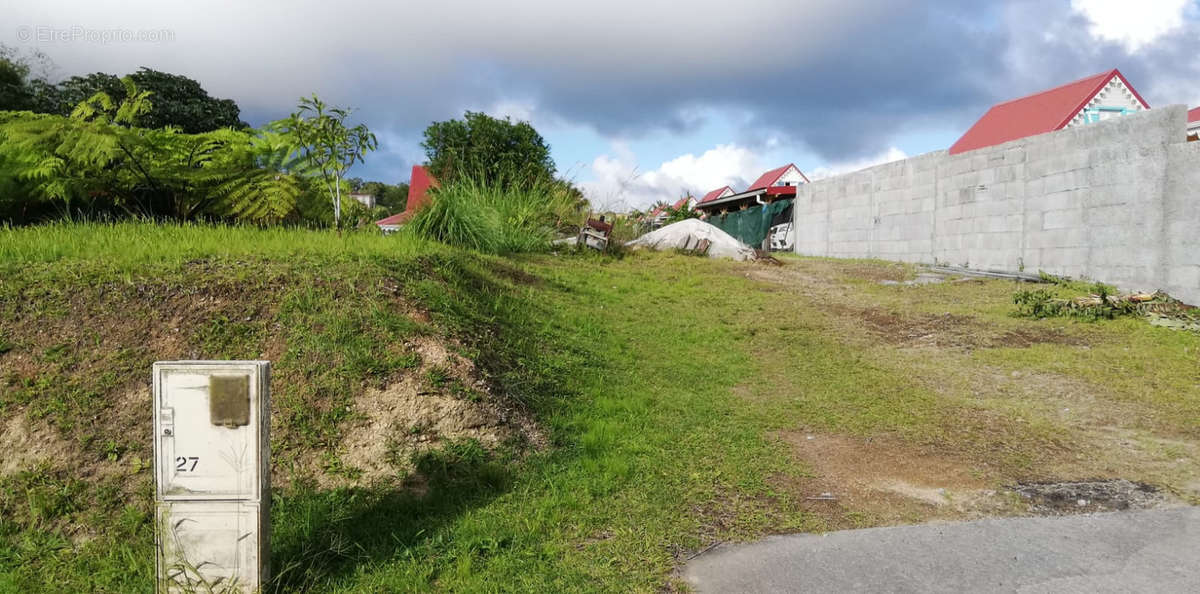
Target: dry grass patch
{"x":984,"y":428}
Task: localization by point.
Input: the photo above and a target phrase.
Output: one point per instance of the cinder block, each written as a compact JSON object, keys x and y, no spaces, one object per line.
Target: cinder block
{"x":1062,"y":219}
{"x":1059,"y":182}
{"x":1112,"y":216}
{"x":1069,"y":200}
{"x":1184,"y":276}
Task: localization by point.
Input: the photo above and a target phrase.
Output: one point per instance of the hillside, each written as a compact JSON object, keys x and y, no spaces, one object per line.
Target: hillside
{"x":450,"y":421}
{"x":395,"y":372}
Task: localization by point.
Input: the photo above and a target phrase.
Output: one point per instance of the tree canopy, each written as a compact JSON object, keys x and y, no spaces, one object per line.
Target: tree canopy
{"x":96,"y":162}
{"x":328,"y":145}
{"x":487,"y":149}
{"x":179,"y":101}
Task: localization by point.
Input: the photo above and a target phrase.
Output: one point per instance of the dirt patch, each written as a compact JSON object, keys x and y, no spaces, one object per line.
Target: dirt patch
{"x":859,"y":482}
{"x":1029,"y":336}
{"x":27,"y":444}
{"x":880,"y":481}
{"x":1090,"y":496}
{"x":946,"y":330}
{"x":418,"y":414}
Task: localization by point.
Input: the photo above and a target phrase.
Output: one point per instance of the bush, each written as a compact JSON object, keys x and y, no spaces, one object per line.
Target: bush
{"x":498,"y":218}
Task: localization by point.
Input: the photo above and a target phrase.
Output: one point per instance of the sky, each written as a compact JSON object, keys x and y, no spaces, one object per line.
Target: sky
{"x":640,"y":100}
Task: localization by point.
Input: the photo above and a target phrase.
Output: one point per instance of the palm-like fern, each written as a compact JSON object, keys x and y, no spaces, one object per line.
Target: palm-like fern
{"x":97,"y":157}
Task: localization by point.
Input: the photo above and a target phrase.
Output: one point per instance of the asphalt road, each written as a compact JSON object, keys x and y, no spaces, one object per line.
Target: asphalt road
{"x":1143,"y":551}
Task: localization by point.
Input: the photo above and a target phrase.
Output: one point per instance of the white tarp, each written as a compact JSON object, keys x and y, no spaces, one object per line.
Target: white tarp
{"x":688,"y":233}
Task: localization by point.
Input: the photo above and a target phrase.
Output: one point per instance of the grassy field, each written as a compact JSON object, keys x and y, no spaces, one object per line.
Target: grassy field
{"x":676,"y":402}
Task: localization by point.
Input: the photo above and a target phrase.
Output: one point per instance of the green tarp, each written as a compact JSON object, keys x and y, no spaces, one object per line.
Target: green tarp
{"x":750,"y":226}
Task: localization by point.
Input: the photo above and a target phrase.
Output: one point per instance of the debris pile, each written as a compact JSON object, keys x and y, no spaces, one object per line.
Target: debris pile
{"x":695,"y":235}
{"x":1073,"y":497}
{"x":1161,"y":308}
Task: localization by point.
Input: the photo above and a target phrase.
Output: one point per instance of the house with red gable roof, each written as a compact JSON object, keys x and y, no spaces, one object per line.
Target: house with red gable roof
{"x":715,"y":194}
{"x":418,"y":197}
{"x":771,"y":195}
{"x":1092,"y":99}
{"x":1193,"y":125}
{"x":658,"y":216}
{"x":686,"y":202}
{"x":777,"y":184}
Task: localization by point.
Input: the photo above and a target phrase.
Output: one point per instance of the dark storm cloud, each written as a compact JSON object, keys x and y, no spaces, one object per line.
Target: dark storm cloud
{"x":842,"y":77}
{"x":843,"y":96}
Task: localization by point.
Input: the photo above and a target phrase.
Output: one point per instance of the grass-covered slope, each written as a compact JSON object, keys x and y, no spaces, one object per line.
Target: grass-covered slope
{"x":402,"y":349}
{"x":628,"y":412}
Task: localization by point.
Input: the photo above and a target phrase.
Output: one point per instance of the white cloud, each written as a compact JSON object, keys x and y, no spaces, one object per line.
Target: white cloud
{"x":1133,"y":25}
{"x":726,"y":164}
{"x":619,"y":183}
{"x":892,"y":154}
{"x":509,"y":108}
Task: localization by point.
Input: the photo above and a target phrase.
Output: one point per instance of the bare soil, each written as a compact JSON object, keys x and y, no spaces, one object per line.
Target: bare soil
{"x":28,"y":444}
{"x":413,"y":416}
{"x":878,"y":481}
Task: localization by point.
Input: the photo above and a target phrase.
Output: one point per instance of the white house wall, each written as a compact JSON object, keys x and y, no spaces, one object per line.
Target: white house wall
{"x":791,"y":177}
{"x":1114,"y":95}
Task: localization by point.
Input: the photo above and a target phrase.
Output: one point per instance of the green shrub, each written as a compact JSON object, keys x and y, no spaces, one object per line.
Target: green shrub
{"x":498,"y":218}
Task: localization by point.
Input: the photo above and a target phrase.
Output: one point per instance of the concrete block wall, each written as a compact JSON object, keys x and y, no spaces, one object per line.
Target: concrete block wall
{"x":1116,"y":201}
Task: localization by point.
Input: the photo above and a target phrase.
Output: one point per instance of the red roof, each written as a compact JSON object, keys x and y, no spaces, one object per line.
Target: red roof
{"x":418,"y":196}
{"x":713,"y":195}
{"x":769,"y":178}
{"x":1194,"y":115}
{"x":1038,"y":113}
{"x":682,"y":202}
{"x":395,"y":219}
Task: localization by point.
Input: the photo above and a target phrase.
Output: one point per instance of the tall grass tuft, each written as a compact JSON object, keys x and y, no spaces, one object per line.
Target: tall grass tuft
{"x":498,"y":217}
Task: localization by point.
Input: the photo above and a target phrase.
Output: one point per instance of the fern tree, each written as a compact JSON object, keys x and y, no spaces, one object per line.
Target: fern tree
{"x":96,"y":160}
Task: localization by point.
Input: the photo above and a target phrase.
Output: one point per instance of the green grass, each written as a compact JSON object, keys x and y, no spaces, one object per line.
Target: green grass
{"x":135,"y":247}
{"x":662,"y":382}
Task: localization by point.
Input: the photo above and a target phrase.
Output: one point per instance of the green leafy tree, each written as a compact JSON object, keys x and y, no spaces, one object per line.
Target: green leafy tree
{"x":96,"y":161}
{"x":488,"y":149}
{"x":391,"y":198}
{"x":14,"y":92}
{"x":20,"y":75}
{"x":328,"y":145}
{"x":179,"y":101}
{"x":674,"y":215}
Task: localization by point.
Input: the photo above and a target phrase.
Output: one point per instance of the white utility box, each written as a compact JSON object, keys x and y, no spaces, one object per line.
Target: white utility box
{"x":212,"y":474}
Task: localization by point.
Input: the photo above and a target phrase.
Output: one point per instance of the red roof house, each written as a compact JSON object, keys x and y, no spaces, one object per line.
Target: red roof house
{"x":1193,"y":125}
{"x":418,"y":198}
{"x":1086,"y":100}
{"x":685,"y":202}
{"x":1194,"y":116}
{"x":715,"y":194}
{"x":777,"y":184}
{"x":788,"y":175}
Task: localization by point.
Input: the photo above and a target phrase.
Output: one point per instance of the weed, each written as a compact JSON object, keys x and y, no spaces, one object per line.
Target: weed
{"x":496,"y":219}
